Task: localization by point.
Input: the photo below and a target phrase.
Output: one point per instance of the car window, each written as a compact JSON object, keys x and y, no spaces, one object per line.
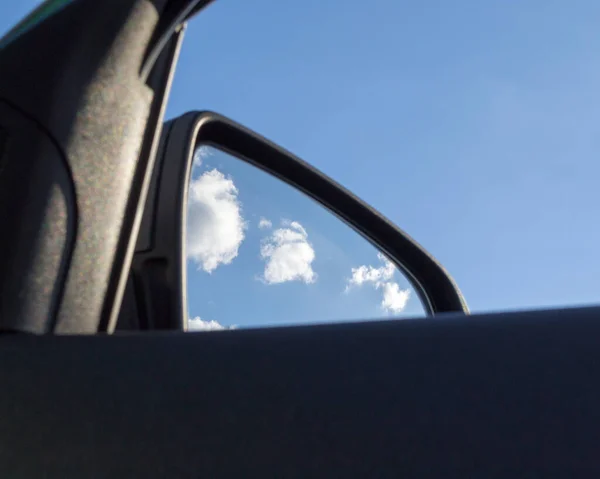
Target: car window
{"x":261,"y":253}
{"x":470,"y":125}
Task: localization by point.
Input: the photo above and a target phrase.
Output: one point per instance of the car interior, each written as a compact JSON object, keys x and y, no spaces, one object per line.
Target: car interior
{"x":99,"y":375}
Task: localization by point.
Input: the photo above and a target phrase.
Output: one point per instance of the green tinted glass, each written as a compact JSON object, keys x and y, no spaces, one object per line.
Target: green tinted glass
{"x":45,"y":10}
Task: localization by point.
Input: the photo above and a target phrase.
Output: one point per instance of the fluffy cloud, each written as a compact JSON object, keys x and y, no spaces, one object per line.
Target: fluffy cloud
{"x":215,"y":226}
{"x":201,"y":154}
{"x":394,"y":299}
{"x":288,"y":255}
{"x":198,"y":324}
{"x":265,"y":224}
{"x":370,"y":274}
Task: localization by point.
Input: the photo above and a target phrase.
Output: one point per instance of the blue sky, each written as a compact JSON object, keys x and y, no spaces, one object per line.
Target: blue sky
{"x":472,"y":125}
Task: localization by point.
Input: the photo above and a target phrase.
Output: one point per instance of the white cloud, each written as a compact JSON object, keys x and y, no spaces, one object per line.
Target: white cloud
{"x":288,"y":255}
{"x":215,"y":226}
{"x":394,"y":299}
{"x":201,"y":154}
{"x":264,"y":224}
{"x":370,"y":274}
{"x":198,"y":324}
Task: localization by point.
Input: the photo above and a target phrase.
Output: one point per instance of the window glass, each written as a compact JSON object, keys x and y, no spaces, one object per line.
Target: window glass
{"x":471,"y":125}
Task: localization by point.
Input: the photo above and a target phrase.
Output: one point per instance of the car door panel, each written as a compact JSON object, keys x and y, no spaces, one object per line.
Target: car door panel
{"x":482,"y":396}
